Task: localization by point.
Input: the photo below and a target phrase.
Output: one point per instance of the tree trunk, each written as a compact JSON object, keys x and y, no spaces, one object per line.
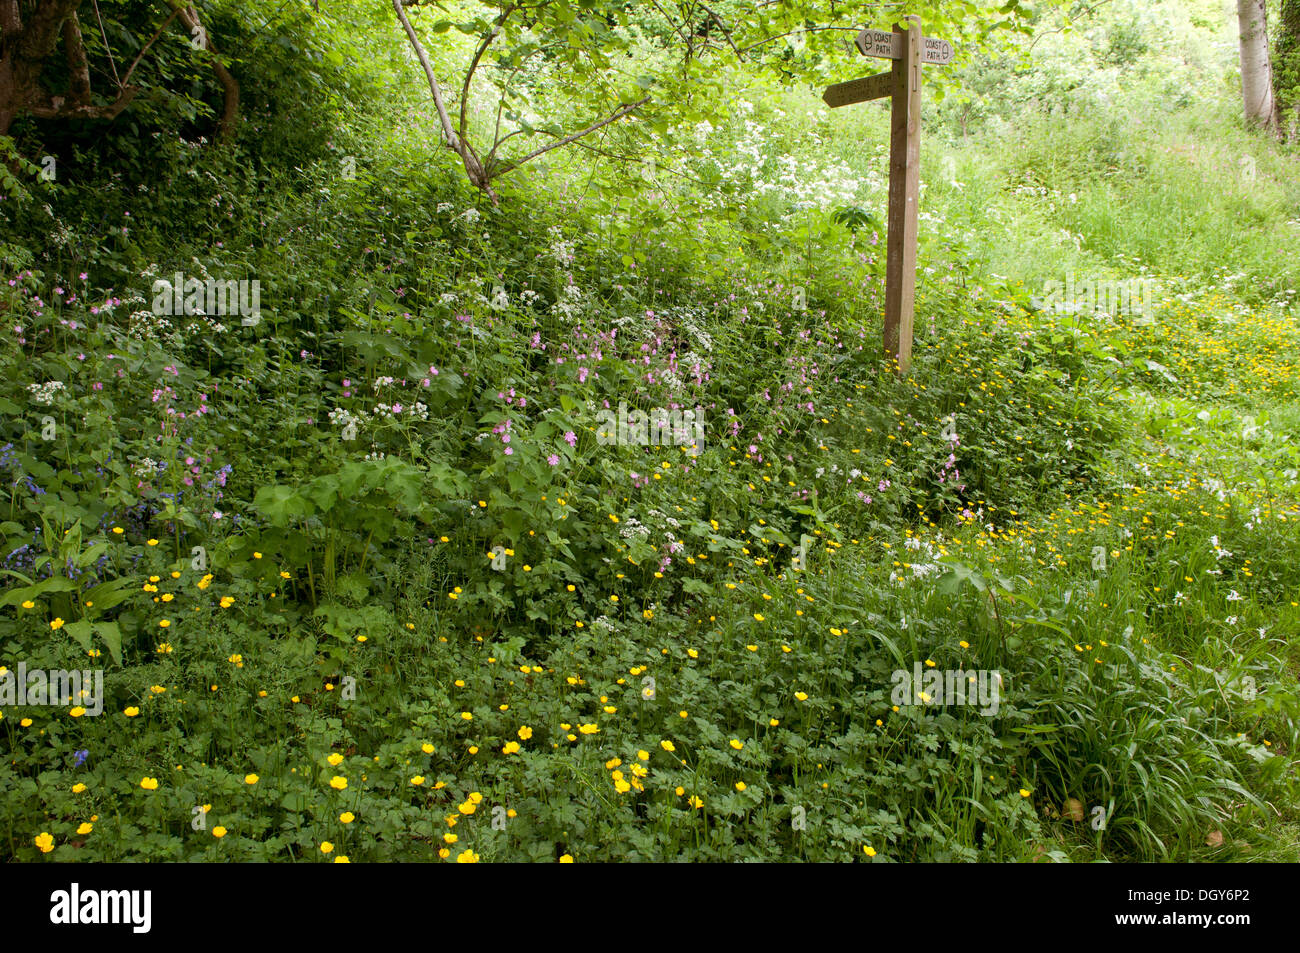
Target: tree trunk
{"x":25,"y":45}
{"x":1256,"y":67}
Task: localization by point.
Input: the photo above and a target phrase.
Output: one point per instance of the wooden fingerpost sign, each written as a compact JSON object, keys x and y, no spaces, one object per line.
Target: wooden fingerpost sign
{"x":909,"y":50}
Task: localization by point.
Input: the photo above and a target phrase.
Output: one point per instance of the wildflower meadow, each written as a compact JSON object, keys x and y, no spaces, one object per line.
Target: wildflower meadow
{"x":375,"y":490}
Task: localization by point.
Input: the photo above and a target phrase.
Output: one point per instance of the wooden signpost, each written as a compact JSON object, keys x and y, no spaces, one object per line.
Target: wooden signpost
{"x":909,"y":50}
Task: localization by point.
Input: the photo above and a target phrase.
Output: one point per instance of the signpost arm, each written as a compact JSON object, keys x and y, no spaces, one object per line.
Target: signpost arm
{"x":904,"y":182}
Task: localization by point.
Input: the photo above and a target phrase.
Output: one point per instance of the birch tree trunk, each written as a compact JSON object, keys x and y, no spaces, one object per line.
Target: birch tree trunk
{"x":1256,"y":67}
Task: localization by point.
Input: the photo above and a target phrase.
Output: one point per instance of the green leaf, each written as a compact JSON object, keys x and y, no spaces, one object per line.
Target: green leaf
{"x":112,"y":636}
{"x":81,"y":632}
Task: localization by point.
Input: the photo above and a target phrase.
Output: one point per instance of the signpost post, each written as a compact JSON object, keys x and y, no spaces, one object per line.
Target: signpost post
{"x":909,"y":50}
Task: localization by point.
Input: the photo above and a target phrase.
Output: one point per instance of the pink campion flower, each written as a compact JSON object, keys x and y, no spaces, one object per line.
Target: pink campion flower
{"x":433,"y":370}
{"x":82,"y":276}
{"x":425,"y":383}
{"x":570,"y":438}
{"x":509,"y":451}
{"x":397,"y":408}
{"x":553,"y":459}
{"x":882,"y":486}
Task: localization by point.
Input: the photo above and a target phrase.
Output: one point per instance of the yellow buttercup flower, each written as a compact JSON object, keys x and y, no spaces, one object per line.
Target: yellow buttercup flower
{"x":45,"y":841}
{"x":149,"y":784}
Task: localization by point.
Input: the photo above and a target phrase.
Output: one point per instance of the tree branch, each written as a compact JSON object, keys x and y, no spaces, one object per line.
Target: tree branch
{"x":473,"y":166}
{"x":145,"y":49}
{"x":478,"y":55}
{"x":112,"y":63}
{"x":230,"y":111}
{"x":615,"y":116}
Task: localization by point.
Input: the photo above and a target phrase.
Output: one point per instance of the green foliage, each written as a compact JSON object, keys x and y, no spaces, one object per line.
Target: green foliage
{"x":368,"y":577}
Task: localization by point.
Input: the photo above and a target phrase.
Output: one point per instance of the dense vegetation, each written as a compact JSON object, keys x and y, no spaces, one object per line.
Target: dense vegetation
{"x":366,"y":580}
